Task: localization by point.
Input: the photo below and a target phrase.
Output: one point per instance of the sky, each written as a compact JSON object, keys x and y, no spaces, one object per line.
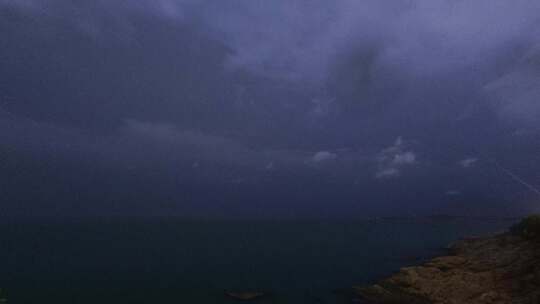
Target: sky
{"x":274,"y":109}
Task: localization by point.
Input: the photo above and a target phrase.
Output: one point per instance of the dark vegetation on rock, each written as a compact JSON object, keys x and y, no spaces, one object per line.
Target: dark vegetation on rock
{"x":528,"y":228}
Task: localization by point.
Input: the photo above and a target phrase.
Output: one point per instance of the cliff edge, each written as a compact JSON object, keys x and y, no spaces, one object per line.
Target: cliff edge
{"x":500,"y":269}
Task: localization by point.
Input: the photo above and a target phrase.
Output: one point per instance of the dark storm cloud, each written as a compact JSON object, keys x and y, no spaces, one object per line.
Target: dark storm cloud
{"x":399,"y":43}
{"x":517,"y":91}
{"x":137,"y":143}
{"x":243,"y":91}
{"x":302,"y":39}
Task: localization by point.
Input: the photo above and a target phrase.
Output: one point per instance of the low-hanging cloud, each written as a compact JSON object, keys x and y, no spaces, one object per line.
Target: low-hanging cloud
{"x":468,"y":162}
{"x":392,"y":160}
{"x":323,"y":156}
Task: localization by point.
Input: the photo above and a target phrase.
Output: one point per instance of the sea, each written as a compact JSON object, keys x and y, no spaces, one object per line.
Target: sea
{"x":170,"y":260}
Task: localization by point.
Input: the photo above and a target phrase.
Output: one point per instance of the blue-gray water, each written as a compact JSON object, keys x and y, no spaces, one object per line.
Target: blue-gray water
{"x":175,"y":261}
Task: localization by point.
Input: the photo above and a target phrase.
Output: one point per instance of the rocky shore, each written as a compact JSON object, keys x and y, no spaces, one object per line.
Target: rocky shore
{"x":500,"y":269}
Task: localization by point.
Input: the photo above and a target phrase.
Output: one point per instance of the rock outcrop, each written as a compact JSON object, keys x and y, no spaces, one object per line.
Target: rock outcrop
{"x":495,"y":270}
{"x":245,"y":295}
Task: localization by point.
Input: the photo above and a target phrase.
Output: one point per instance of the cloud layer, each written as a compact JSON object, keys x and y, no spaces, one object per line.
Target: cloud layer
{"x":301,"y":94}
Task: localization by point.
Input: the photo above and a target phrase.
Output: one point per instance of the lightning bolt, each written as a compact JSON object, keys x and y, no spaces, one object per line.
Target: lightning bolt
{"x":518,"y":179}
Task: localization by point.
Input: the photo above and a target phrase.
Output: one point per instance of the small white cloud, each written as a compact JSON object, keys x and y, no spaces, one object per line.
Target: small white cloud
{"x":270,"y":166}
{"x":387,"y":173}
{"x":323,"y":156}
{"x":406,"y":158}
{"x":393,"y":159}
{"x":468,"y":162}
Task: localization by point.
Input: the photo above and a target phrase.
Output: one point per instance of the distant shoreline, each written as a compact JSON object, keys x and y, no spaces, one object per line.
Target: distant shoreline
{"x":108,"y":218}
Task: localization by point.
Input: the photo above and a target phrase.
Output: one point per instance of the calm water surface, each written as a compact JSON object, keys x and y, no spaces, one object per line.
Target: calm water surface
{"x":175,"y":261}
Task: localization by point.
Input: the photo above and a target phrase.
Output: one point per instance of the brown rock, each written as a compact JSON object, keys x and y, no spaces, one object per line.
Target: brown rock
{"x":245,"y":295}
{"x":496,"y":270}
